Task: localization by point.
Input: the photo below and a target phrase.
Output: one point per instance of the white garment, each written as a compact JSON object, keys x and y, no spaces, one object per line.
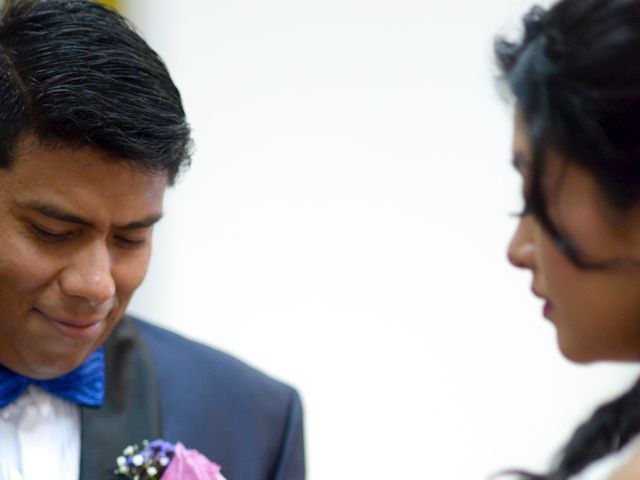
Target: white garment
{"x":605,"y":467}
{"x":39,"y":438}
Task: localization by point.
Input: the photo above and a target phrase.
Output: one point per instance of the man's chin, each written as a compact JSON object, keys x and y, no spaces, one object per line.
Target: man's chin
{"x":50,"y":365}
{"x":52,"y":371}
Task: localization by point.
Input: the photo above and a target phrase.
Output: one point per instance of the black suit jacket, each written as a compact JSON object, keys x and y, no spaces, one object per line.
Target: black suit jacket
{"x":161,"y":385}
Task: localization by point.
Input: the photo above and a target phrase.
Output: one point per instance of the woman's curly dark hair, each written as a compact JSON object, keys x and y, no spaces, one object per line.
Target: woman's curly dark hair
{"x":575,"y":76}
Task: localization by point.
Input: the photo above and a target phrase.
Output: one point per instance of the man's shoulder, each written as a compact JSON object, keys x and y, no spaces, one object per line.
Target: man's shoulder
{"x":226,"y":409}
{"x":177,"y":356}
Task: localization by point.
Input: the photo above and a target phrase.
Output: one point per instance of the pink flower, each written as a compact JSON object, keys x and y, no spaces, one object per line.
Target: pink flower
{"x":191,"y":465}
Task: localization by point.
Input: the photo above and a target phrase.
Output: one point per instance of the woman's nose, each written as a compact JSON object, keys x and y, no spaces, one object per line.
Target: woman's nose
{"x":521,"y":250}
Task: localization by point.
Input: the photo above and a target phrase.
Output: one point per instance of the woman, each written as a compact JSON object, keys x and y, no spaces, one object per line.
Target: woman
{"x":575,"y":76}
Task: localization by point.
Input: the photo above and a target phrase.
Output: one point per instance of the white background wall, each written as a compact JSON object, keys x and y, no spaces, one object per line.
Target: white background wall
{"x":343,"y":227}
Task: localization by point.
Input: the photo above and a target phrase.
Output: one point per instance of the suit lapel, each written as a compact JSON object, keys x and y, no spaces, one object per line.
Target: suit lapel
{"x":131,"y":411}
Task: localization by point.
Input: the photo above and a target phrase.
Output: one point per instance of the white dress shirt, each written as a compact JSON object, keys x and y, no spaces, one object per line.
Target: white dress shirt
{"x":39,"y":438}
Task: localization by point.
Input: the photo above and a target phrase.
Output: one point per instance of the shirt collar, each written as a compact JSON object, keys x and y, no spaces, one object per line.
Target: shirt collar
{"x":33,"y":398}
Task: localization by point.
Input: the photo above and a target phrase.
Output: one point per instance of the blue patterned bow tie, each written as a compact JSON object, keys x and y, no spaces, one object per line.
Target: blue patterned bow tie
{"x":84,"y":385}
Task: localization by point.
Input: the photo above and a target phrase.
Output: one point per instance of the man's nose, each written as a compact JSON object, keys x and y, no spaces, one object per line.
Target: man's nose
{"x":89,"y":274}
{"x":521,"y":250}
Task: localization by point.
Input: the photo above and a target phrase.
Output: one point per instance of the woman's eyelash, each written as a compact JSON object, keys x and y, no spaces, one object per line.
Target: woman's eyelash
{"x":526,"y":210}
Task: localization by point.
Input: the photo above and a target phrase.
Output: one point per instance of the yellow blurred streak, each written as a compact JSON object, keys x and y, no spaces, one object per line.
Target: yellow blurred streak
{"x":115,"y":4}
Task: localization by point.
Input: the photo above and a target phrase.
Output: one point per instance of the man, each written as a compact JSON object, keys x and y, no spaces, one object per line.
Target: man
{"x":92,"y":131}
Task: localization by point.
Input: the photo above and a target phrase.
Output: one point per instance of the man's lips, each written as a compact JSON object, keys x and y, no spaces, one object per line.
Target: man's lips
{"x":77,"y":327}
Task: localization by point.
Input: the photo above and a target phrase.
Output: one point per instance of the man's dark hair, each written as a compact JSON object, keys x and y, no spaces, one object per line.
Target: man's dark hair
{"x":75,"y":73}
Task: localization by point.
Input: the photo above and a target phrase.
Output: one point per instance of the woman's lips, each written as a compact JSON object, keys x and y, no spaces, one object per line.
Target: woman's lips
{"x":73,"y":327}
{"x":548,"y":306}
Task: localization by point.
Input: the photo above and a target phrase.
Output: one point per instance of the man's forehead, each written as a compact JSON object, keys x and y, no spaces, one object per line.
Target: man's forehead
{"x":30,"y":146}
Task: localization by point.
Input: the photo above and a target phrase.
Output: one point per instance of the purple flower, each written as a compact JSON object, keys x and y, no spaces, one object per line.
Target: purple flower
{"x":160,"y":451}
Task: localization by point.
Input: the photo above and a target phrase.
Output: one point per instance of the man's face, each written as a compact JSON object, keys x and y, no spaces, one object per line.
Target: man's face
{"x":75,"y":240}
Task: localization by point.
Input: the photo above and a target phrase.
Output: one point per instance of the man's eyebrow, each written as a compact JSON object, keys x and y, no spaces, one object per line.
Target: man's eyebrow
{"x":141,"y":224}
{"x":61,"y":215}
{"x":55,"y":212}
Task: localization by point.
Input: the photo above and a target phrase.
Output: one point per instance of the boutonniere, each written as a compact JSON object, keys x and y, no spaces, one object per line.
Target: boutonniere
{"x":163,"y":460}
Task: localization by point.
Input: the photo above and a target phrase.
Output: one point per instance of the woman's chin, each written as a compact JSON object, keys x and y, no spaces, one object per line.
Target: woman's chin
{"x":576,"y":351}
